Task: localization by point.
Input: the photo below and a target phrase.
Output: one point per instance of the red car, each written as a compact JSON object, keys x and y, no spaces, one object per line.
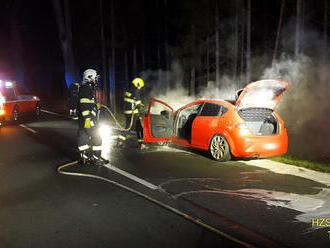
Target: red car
{"x":16,"y":100}
{"x":247,"y":127}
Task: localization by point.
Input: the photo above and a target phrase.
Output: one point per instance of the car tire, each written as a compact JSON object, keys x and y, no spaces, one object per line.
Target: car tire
{"x":37,"y":111}
{"x":15,"y":115}
{"x":219,"y":148}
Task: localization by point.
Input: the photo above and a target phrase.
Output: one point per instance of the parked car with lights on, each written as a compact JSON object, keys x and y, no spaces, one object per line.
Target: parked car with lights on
{"x":247,"y":127}
{"x":15,"y":101}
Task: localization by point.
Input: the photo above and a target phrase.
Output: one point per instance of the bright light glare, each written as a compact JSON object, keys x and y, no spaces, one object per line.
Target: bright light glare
{"x":9,"y":84}
{"x":105,"y":132}
{"x":2,"y":112}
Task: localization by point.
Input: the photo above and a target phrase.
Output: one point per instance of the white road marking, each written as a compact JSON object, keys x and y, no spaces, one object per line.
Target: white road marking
{"x":27,"y":128}
{"x":52,"y":113}
{"x":132,"y":177}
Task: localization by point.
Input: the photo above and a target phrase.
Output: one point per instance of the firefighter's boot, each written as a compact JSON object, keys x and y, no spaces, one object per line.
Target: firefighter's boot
{"x":98,"y":160}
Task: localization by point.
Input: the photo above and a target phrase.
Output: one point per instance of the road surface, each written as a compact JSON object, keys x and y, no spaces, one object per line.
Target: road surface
{"x":159,"y":197}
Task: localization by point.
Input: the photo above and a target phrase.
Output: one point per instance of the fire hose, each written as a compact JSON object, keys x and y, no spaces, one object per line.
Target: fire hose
{"x":116,"y":121}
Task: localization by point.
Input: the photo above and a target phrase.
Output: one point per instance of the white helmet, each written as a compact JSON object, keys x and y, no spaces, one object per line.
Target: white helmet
{"x":90,"y":76}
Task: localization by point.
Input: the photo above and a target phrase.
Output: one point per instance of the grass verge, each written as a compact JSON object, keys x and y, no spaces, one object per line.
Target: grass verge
{"x":303,"y":163}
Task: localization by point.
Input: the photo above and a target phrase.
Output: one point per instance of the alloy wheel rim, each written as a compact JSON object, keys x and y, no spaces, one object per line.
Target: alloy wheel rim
{"x":218,"y":147}
{"x":15,"y":115}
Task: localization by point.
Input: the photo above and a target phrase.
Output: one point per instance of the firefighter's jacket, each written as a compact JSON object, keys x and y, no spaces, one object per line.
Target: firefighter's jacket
{"x":87,"y":107}
{"x":132,"y":101}
{"x":73,"y":95}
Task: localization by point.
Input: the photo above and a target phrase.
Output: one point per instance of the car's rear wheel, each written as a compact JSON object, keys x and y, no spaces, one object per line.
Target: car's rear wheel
{"x":219,"y":148}
{"x":15,"y":115}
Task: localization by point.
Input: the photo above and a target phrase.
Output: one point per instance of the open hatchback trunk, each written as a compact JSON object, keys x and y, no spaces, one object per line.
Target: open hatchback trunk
{"x":257,"y":103}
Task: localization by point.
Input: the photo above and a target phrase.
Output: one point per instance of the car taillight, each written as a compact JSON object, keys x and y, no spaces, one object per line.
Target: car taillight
{"x":243,"y":129}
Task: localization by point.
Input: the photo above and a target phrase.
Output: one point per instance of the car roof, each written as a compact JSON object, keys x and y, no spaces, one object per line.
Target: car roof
{"x":225,"y":103}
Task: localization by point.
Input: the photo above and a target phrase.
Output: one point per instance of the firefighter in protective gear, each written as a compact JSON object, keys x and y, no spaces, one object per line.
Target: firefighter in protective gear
{"x":89,"y":141}
{"x":133,"y":104}
{"x":73,"y":99}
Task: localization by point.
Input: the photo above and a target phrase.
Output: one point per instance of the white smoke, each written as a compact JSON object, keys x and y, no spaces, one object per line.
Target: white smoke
{"x":177,"y":95}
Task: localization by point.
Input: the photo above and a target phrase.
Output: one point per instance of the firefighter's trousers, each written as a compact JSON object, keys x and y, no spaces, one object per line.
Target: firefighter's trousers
{"x":137,"y":127}
{"x":89,"y":140}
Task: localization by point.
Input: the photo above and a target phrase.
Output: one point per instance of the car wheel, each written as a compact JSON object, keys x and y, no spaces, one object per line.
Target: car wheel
{"x":15,"y":115}
{"x":162,"y":143}
{"x":37,"y":111}
{"x":219,"y":148}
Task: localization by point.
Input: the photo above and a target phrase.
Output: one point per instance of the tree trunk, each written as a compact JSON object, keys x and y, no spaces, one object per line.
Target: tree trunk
{"x":167,"y":65}
{"x":207,"y":60}
{"x":217,"y":46}
{"x":242,"y":46}
{"x":325,"y":29}
{"x":248,"y":42}
{"x":159,"y":69}
{"x":236,"y":43}
{"x":126,"y":68}
{"x":104,"y":58}
{"x":65,"y":37}
{"x":193,"y":63}
{"x":278,"y":30}
{"x":298,"y":29}
{"x":16,"y":44}
{"x":134,"y":62}
{"x":113,"y":58}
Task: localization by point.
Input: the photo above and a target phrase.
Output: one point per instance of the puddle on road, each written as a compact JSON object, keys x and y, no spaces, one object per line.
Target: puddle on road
{"x":310,"y":205}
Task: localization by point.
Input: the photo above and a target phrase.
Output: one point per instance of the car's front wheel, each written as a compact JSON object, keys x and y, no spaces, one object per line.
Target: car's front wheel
{"x":37,"y":111}
{"x":219,"y":148}
{"x":15,"y":115}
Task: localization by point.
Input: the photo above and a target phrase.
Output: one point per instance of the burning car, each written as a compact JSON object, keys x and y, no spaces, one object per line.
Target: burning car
{"x":247,"y":127}
{"x":16,"y":100}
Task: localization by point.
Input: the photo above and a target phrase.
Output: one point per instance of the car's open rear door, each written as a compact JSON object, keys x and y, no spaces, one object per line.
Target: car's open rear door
{"x":158,"y":123}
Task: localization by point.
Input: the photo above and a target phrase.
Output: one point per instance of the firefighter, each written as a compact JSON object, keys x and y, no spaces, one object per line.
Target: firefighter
{"x":133,"y":104}
{"x":89,"y":141}
{"x":73,"y":99}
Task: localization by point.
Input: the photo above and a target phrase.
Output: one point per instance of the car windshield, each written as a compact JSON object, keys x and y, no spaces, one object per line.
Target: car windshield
{"x":22,"y":89}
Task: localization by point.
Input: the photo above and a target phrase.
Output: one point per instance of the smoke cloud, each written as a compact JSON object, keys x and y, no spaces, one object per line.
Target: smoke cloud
{"x":305,"y":107}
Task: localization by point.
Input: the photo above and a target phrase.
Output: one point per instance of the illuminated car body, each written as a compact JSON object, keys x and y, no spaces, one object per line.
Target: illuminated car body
{"x":248,"y":127}
{"x":15,"y":100}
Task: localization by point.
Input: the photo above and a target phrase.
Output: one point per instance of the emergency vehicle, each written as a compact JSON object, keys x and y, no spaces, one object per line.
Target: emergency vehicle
{"x":16,"y":100}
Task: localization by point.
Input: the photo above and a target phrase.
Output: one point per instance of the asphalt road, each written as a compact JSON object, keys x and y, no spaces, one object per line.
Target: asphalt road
{"x":42,"y":208}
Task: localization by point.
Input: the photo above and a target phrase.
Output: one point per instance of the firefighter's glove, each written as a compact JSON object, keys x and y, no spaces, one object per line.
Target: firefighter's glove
{"x":140,"y":107}
{"x":88,"y":123}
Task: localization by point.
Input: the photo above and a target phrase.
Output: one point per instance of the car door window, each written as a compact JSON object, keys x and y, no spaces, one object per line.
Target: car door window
{"x":212,"y":109}
{"x":161,"y":120}
{"x":185,"y":120}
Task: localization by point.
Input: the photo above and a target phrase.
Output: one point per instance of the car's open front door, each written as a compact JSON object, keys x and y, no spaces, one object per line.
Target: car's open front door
{"x":158,"y":123}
